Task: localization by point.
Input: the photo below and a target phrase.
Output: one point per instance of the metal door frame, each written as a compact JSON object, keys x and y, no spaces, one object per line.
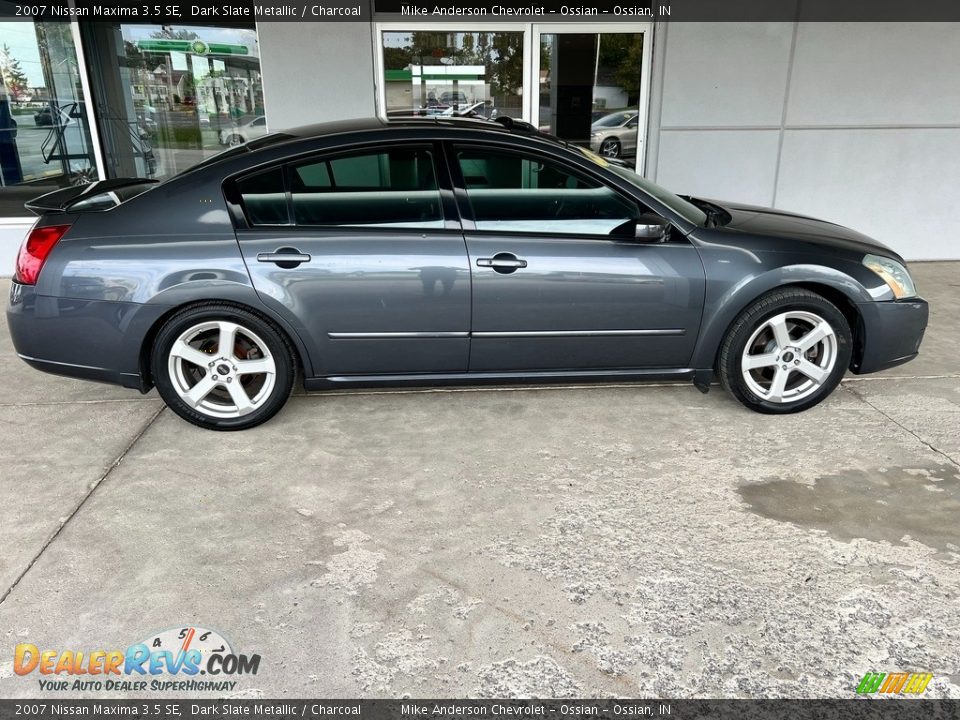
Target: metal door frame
{"x":645,"y":29}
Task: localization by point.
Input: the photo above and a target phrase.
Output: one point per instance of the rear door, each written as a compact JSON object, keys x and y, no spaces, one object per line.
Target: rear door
{"x":553,"y":289}
{"x":361,"y":249}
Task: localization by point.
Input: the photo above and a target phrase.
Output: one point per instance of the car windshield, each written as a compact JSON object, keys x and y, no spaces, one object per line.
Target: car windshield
{"x":688,"y":211}
{"x":613,"y":120}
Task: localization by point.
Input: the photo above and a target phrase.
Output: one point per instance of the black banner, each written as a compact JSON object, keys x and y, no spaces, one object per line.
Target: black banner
{"x":248,"y":11}
{"x":865,"y":709}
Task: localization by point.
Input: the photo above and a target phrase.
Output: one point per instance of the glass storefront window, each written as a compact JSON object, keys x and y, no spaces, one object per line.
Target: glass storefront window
{"x":44,"y":136}
{"x":477,"y":74}
{"x":590,"y":90}
{"x":178,"y":94}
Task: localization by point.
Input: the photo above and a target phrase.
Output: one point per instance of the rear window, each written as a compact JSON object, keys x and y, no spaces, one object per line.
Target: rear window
{"x":395,"y":188}
{"x":264,"y":198}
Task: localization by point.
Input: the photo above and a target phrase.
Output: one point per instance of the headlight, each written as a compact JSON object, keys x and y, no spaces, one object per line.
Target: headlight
{"x":894,"y":274}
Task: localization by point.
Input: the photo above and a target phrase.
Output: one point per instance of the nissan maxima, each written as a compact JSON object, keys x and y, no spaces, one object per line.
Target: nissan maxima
{"x":432,"y":251}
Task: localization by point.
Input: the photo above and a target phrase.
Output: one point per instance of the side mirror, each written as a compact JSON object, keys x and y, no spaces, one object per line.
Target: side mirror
{"x":650,"y":227}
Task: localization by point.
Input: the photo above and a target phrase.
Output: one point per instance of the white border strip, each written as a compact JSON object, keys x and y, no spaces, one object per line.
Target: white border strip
{"x":88,"y":98}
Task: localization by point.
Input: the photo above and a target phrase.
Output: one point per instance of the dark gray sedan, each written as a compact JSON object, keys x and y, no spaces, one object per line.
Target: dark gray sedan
{"x":442,"y":251}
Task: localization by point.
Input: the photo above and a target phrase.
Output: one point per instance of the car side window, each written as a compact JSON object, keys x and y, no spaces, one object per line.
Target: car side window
{"x":264,"y":199}
{"x":394,"y":188}
{"x":514,"y":192}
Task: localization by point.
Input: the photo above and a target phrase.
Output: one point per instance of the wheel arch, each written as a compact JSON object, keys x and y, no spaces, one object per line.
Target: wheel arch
{"x":300,"y":354}
{"x":839,"y":288}
{"x":614,"y":138}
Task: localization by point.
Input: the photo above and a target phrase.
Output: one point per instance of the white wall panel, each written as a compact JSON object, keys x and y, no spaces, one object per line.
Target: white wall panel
{"x":726,"y":73}
{"x":11,"y":237}
{"x":869,"y":136}
{"x":876,"y":74}
{"x":737,"y":165}
{"x":316,"y":72}
{"x":901,"y":187}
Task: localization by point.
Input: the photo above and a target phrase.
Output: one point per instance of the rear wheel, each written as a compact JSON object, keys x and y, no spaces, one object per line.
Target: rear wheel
{"x":222,"y":368}
{"x":786,"y":352}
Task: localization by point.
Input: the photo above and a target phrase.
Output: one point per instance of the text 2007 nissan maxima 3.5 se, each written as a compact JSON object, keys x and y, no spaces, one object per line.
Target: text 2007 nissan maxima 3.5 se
{"x":428,"y":252}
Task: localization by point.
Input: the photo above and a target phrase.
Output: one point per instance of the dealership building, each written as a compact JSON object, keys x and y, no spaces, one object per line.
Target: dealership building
{"x":857,"y":123}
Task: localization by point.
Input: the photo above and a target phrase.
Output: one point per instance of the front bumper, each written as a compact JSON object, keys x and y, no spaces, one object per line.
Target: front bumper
{"x":890,"y":333}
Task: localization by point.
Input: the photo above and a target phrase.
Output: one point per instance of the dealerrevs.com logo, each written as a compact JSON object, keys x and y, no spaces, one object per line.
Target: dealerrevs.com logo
{"x":894,"y":683}
{"x":179,"y":659}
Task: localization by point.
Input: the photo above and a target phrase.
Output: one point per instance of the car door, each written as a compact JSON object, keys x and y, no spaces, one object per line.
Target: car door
{"x":630,"y":136}
{"x":359,"y":248}
{"x":553,"y":289}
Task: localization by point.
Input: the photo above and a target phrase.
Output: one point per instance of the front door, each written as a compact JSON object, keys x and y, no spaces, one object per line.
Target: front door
{"x":356,"y":248}
{"x":552,"y":288}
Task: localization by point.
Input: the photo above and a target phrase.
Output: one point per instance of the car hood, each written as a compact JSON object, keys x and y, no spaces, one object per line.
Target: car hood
{"x":791,"y":226}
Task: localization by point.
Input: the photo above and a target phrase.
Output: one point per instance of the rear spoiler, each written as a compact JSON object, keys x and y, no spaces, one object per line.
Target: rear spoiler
{"x":62,"y":200}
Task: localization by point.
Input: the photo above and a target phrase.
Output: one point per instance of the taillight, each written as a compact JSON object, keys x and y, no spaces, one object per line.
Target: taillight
{"x":34,"y":252}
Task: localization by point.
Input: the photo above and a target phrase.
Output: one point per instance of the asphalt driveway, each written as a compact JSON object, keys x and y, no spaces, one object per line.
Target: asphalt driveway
{"x":631,"y":540}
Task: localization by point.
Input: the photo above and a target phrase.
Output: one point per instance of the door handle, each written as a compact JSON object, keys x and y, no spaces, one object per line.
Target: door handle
{"x":502,"y":262}
{"x":285,"y":257}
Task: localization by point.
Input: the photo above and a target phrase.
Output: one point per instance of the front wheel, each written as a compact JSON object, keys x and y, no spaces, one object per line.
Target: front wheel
{"x":222,"y":368}
{"x":610,"y":148}
{"x":786,"y":352}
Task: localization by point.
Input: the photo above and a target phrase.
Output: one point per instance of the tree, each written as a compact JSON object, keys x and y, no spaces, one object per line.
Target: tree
{"x":168,"y":33}
{"x":620,"y":58}
{"x":13,"y":76}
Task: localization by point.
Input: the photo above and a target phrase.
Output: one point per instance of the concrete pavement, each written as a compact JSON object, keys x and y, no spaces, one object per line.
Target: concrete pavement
{"x":620,"y":540}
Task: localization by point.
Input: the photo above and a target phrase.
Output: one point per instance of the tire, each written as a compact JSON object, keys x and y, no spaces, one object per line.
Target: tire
{"x":610,"y":148}
{"x":235,"y":140}
{"x":236,"y":390}
{"x":786,"y":352}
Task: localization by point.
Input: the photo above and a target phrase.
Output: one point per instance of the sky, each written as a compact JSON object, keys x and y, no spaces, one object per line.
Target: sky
{"x":21,"y":38}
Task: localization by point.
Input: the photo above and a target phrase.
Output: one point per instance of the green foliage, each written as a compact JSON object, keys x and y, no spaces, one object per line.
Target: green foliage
{"x":500,"y":53}
{"x":179,"y":137}
{"x":620,"y":58}
{"x":181,"y":34}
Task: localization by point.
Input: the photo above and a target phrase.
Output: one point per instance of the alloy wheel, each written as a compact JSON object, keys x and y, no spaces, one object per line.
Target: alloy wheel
{"x":222,"y":369}
{"x":789,"y":356}
{"x":610,"y":148}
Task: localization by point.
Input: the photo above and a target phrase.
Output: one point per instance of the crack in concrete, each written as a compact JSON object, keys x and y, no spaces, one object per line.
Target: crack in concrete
{"x":48,"y":403}
{"x":903,"y":427}
{"x":83,"y":501}
{"x":874,"y":378}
